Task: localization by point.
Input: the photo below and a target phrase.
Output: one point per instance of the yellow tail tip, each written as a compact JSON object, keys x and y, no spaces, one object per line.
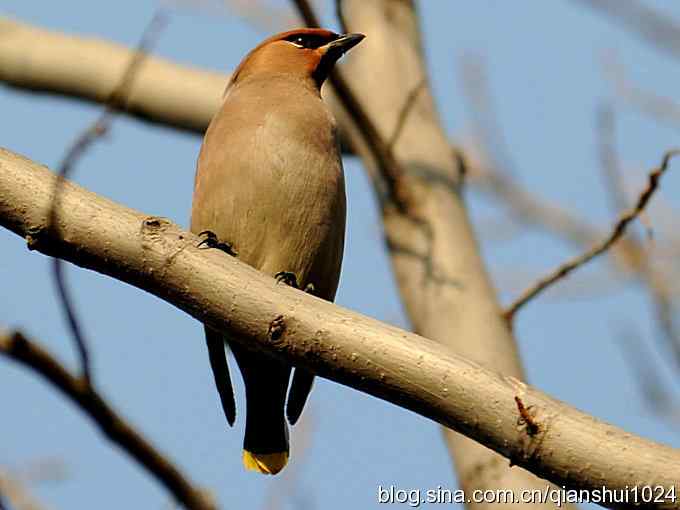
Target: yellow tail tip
{"x":265,"y":463}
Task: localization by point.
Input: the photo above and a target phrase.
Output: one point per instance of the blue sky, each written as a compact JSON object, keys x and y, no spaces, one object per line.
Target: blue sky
{"x":544,"y":62}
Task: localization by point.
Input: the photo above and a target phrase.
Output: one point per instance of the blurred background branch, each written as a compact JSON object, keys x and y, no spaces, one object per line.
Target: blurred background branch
{"x":22,"y":350}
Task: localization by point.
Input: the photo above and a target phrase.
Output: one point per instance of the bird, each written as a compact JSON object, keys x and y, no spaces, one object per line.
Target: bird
{"x":269,"y":189}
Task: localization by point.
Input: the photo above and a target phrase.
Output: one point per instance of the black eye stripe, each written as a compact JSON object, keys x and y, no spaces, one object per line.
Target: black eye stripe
{"x":309,"y":41}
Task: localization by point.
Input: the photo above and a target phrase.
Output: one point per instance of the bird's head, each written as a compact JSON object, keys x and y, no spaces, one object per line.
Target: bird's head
{"x":307,"y":53}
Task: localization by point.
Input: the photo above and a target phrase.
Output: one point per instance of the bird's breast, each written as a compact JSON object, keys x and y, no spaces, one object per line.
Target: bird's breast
{"x":270,"y":182}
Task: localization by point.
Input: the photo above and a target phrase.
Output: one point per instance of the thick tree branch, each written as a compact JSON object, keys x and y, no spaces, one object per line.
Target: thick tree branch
{"x":570,"y":448}
{"x":79,"y":391}
{"x":41,"y":60}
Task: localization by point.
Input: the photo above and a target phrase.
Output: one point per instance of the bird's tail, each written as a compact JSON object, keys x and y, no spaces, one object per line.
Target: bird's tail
{"x":265,"y":463}
{"x":265,"y":446}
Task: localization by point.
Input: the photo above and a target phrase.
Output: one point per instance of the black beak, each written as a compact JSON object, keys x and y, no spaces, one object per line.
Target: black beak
{"x":335,"y":49}
{"x":332,"y":51}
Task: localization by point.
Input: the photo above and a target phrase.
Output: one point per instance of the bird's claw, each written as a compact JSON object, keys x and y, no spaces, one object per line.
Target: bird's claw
{"x":288,"y":278}
{"x":291,"y":279}
{"x":212,"y":241}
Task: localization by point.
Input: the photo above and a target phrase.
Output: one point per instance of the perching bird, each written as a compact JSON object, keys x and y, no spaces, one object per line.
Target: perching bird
{"x":270,"y":188}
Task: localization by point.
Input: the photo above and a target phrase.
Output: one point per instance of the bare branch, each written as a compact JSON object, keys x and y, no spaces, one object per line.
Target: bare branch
{"x":307,"y":13}
{"x":42,"y":470}
{"x":650,"y":25}
{"x":33,"y":59}
{"x":660,"y":108}
{"x":618,"y":231}
{"x":77,"y":150}
{"x":3,"y":506}
{"x":655,"y":395}
{"x":340,"y":14}
{"x":263,"y":15}
{"x":570,"y":448}
{"x":530,"y":209}
{"x":660,"y":292}
{"x":479,"y":99}
{"x":609,"y":160}
{"x":14,"y":495}
{"x":17,"y":347}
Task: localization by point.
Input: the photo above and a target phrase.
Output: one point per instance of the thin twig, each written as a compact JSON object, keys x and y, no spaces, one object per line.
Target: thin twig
{"x":261,"y":14}
{"x":609,"y":160}
{"x":528,"y":208}
{"x":494,"y":169}
{"x":658,"y":288}
{"x":409,"y":102}
{"x":14,"y":495}
{"x":20,"y":349}
{"x":340,"y":14}
{"x":307,"y":13}
{"x":660,"y":108}
{"x":76,"y":151}
{"x":645,"y":370}
{"x":485,"y":119}
{"x":656,"y":28}
{"x":618,"y":231}
{"x":662,"y":300}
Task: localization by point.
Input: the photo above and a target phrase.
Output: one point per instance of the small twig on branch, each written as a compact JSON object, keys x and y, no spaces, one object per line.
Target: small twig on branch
{"x":527,"y":419}
{"x":462,"y":164}
{"x":617,"y":232}
{"x":77,"y":150}
{"x":20,"y":349}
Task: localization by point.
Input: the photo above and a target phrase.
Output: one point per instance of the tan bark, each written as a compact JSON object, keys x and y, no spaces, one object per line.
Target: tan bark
{"x":555,"y":441}
{"x":91,"y":69}
{"x":442,"y":278}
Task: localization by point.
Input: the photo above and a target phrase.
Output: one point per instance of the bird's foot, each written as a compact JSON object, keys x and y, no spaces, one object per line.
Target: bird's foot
{"x":288,"y":278}
{"x":212,"y":241}
{"x":291,"y":279}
